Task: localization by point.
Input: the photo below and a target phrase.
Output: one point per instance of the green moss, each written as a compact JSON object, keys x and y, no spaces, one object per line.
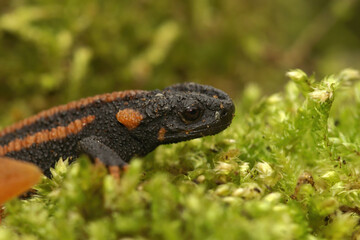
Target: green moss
{"x":287,"y":168}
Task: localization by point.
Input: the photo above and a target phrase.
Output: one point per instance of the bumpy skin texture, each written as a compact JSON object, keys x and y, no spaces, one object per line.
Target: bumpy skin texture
{"x":114,"y":127}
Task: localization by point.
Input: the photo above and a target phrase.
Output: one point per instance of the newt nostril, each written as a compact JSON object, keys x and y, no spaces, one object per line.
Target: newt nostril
{"x":227,"y":111}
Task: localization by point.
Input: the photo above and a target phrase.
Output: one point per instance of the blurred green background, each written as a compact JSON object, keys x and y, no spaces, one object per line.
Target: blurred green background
{"x":55,"y":51}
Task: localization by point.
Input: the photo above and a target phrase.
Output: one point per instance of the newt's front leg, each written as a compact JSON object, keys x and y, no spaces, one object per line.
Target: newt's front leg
{"x":102,"y":154}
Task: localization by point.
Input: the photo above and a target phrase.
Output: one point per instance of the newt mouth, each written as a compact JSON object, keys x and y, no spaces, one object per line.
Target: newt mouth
{"x":210,"y":131}
{"x":202,"y":131}
{"x":189,"y":135}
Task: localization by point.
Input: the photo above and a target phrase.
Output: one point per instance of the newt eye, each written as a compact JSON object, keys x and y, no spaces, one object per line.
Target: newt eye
{"x":191,"y":114}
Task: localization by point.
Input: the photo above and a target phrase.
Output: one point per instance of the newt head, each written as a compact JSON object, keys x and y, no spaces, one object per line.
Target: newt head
{"x":187,"y":111}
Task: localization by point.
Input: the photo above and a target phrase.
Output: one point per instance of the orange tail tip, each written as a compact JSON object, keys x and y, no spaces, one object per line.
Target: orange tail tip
{"x":16,"y":177}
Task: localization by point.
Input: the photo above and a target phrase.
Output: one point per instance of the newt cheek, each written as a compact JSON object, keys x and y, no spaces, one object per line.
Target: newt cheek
{"x":16,"y":177}
{"x":130,"y":118}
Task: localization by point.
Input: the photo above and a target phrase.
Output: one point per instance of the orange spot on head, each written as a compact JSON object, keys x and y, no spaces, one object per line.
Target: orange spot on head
{"x":16,"y":177}
{"x":129,"y":118}
{"x":161,"y":134}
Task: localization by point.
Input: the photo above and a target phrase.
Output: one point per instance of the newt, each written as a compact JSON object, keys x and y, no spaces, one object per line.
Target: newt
{"x":111,"y":128}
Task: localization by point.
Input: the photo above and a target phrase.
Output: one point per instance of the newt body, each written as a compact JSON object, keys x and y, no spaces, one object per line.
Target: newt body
{"x":114,"y":127}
